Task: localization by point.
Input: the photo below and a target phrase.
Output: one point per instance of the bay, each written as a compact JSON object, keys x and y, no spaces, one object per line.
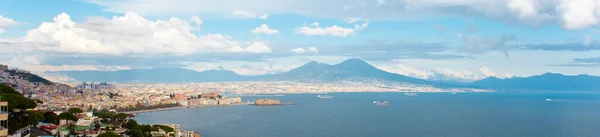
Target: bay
{"x":499,"y":114}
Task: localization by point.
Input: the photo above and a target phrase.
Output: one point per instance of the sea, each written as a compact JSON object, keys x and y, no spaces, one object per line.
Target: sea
{"x":497,"y":114}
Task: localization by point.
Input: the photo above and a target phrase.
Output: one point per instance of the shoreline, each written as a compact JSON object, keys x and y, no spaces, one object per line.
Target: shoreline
{"x":180,"y":107}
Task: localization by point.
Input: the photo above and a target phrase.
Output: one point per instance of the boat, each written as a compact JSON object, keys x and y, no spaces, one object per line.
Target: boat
{"x":378,"y":103}
{"x":548,"y":99}
{"x":411,"y":94}
{"x":325,"y":96}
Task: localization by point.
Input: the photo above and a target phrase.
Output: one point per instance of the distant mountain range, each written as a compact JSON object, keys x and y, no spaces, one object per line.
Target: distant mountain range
{"x":544,"y":82}
{"x":158,"y":75}
{"x":351,"y":69}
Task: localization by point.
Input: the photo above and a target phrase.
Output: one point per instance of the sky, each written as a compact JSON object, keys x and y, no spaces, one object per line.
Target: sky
{"x":460,"y":40}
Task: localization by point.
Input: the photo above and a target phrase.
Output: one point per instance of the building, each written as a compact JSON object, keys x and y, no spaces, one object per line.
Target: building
{"x":3,"y":67}
{"x":3,"y":118}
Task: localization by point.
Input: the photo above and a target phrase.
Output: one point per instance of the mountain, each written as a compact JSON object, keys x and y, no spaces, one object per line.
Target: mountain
{"x":350,"y":69}
{"x":157,"y":75}
{"x":544,"y":82}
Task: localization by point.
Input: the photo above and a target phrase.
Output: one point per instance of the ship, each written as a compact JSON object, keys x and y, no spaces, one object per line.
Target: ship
{"x":411,"y":94}
{"x":377,"y":103}
{"x":325,"y":96}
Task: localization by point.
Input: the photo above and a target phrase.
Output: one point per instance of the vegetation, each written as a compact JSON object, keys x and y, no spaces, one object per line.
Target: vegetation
{"x":136,"y":130}
{"x":109,"y":134}
{"x":50,"y":117}
{"x":29,"y":76}
{"x":75,"y":110}
{"x":68,"y":116}
{"x":35,"y":117}
{"x":141,"y":107}
{"x":17,"y":104}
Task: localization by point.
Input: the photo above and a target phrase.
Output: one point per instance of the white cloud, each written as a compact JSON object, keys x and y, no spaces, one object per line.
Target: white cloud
{"x":132,"y":34}
{"x":298,"y":50}
{"x":444,"y":74}
{"x":248,"y":14}
{"x":198,"y":21}
{"x":5,"y":22}
{"x":302,"y":50}
{"x":258,"y":47}
{"x":313,"y":50}
{"x":578,"y":14}
{"x":489,"y":73}
{"x":264,"y":29}
{"x":315,"y":29}
{"x":572,"y":14}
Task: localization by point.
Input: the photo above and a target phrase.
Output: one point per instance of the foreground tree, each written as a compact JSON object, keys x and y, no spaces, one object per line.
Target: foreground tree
{"x":50,"y":117}
{"x":17,"y":104}
{"x":109,"y":134}
{"x":35,"y":117}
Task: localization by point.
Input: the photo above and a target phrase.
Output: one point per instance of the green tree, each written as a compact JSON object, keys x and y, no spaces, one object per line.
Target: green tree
{"x":121,"y":116}
{"x":50,"y":117}
{"x":130,"y":124}
{"x":164,"y":128}
{"x":16,"y":101}
{"x":68,"y":116}
{"x":35,"y":117}
{"x":75,"y":110}
{"x":109,"y":134}
{"x":135,"y":132}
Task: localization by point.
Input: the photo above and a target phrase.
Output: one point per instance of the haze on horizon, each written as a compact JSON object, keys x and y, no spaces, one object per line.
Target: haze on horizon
{"x":465,"y":40}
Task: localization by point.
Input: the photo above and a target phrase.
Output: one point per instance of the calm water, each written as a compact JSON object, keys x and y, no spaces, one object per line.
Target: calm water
{"x":426,"y":115}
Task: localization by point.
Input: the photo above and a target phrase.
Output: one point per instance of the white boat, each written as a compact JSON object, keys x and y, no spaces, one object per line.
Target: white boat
{"x":378,"y":103}
{"x":325,"y":96}
{"x":548,"y":99}
{"x":411,"y":94}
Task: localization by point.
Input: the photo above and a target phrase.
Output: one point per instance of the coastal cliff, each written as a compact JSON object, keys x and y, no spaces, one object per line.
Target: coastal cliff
{"x":267,"y":102}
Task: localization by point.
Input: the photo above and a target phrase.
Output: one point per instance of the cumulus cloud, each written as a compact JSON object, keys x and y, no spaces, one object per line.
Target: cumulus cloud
{"x":298,"y":50}
{"x":302,"y":50}
{"x":132,"y":34}
{"x":489,"y":73}
{"x":265,"y":30}
{"x":316,"y":29}
{"x":258,"y":47}
{"x":5,"y":22}
{"x":578,"y":14}
{"x":313,"y":50}
{"x":443,"y":74}
{"x":248,"y":14}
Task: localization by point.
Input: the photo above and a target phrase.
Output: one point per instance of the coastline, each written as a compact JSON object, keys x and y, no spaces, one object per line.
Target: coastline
{"x":180,"y":107}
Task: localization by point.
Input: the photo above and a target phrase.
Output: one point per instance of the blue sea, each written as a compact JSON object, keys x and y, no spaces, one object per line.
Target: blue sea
{"x":499,"y":114}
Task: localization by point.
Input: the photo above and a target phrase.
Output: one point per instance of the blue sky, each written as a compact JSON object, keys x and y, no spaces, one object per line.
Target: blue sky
{"x":462,"y":40}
